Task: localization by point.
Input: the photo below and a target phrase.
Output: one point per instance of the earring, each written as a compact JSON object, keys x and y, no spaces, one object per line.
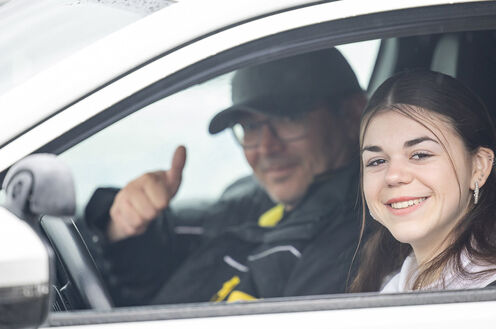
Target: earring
{"x":476,"y":193}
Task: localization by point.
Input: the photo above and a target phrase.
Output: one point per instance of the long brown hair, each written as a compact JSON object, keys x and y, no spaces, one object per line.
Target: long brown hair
{"x":417,"y":94}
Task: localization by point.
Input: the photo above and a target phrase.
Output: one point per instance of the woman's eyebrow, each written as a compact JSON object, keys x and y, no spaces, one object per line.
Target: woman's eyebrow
{"x":419,"y":140}
{"x":371,"y":148}
{"x":410,"y":143}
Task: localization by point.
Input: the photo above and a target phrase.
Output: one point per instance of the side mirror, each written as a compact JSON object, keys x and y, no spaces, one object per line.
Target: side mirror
{"x":37,"y":185}
{"x":24,"y":274}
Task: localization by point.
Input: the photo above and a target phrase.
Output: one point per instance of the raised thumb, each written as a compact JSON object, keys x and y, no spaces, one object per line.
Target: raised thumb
{"x":175,"y":173}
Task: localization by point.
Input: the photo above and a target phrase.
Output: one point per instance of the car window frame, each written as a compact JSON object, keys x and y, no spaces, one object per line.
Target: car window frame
{"x":433,"y":20}
{"x":337,"y":304}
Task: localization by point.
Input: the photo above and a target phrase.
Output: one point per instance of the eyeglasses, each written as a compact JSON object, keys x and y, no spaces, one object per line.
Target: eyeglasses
{"x":248,"y":132}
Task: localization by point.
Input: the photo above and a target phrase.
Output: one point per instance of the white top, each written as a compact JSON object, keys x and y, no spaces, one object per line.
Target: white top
{"x":403,"y":280}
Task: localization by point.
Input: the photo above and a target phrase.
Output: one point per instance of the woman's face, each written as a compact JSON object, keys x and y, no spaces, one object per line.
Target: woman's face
{"x":409,"y":182}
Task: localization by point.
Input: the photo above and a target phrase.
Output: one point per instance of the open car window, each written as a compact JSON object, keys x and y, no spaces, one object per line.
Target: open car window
{"x":146,"y":139}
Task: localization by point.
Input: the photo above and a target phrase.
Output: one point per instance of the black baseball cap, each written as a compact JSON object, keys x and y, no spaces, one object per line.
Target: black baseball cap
{"x":288,"y":86}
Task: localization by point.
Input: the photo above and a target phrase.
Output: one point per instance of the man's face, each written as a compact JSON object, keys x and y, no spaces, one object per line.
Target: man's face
{"x":287,"y":168}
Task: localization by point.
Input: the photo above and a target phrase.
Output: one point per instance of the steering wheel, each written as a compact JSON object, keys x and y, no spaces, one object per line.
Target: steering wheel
{"x":80,"y":285}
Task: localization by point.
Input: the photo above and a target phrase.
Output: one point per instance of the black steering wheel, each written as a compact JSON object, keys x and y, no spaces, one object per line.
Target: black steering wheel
{"x":78,"y":284}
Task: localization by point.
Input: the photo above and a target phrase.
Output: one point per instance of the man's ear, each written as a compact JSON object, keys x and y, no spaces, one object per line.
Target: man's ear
{"x":482,"y":164}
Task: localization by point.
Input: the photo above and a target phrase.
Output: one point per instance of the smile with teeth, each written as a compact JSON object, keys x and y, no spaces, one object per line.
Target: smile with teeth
{"x":406,"y":204}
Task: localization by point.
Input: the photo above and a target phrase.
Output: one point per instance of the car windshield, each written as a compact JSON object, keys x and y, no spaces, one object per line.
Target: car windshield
{"x":38,"y":34}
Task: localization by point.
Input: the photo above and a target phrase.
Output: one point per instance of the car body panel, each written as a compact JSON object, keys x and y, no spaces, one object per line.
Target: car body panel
{"x":454,"y":315}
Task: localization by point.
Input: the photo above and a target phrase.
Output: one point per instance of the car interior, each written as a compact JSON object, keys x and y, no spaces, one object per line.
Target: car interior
{"x":469,"y":56}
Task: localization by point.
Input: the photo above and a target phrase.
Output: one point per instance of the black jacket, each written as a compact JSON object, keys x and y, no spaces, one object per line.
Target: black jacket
{"x":202,"y":254}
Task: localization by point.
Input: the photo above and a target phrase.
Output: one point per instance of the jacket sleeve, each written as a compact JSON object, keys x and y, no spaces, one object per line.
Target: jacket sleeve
{"x":134,"y":268}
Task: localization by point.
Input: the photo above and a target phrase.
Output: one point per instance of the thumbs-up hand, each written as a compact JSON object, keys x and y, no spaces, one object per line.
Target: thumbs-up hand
{"x":142,"y":199}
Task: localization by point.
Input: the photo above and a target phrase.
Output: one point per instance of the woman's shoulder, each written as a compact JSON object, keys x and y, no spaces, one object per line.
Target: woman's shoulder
{"x":401,"y":280}
{"x":391,"y":284}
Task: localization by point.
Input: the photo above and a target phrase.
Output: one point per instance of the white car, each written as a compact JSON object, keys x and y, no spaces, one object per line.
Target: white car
{"x":112,"y":87}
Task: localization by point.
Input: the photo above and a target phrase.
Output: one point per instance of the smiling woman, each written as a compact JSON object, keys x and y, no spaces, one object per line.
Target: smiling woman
{"x":427,"y":159}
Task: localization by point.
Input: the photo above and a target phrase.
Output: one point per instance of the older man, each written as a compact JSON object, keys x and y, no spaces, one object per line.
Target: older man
{"x":290,"y":229}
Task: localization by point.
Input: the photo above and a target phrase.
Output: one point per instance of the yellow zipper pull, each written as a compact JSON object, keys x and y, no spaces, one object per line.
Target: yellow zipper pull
{"x":226,"y":289}
{"x":271,"y":217}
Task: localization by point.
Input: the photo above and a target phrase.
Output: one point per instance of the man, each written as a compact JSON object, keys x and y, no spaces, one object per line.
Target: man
{"x":290,"y":229}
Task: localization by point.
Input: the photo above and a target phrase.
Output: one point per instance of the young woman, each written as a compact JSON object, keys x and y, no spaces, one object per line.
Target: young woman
{"x":427,"y":152}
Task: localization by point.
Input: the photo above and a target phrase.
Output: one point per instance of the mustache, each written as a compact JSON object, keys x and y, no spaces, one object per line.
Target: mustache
{"x":270,"y":162}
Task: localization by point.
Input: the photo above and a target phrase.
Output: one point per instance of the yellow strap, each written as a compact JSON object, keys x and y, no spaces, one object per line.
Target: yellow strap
{"x":237,"y":296}
{"x":227,"y":287}
{"x":271,"y":217}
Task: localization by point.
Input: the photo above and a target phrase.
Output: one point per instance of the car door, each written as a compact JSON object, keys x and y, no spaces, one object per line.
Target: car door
{"x":169,"y":98}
